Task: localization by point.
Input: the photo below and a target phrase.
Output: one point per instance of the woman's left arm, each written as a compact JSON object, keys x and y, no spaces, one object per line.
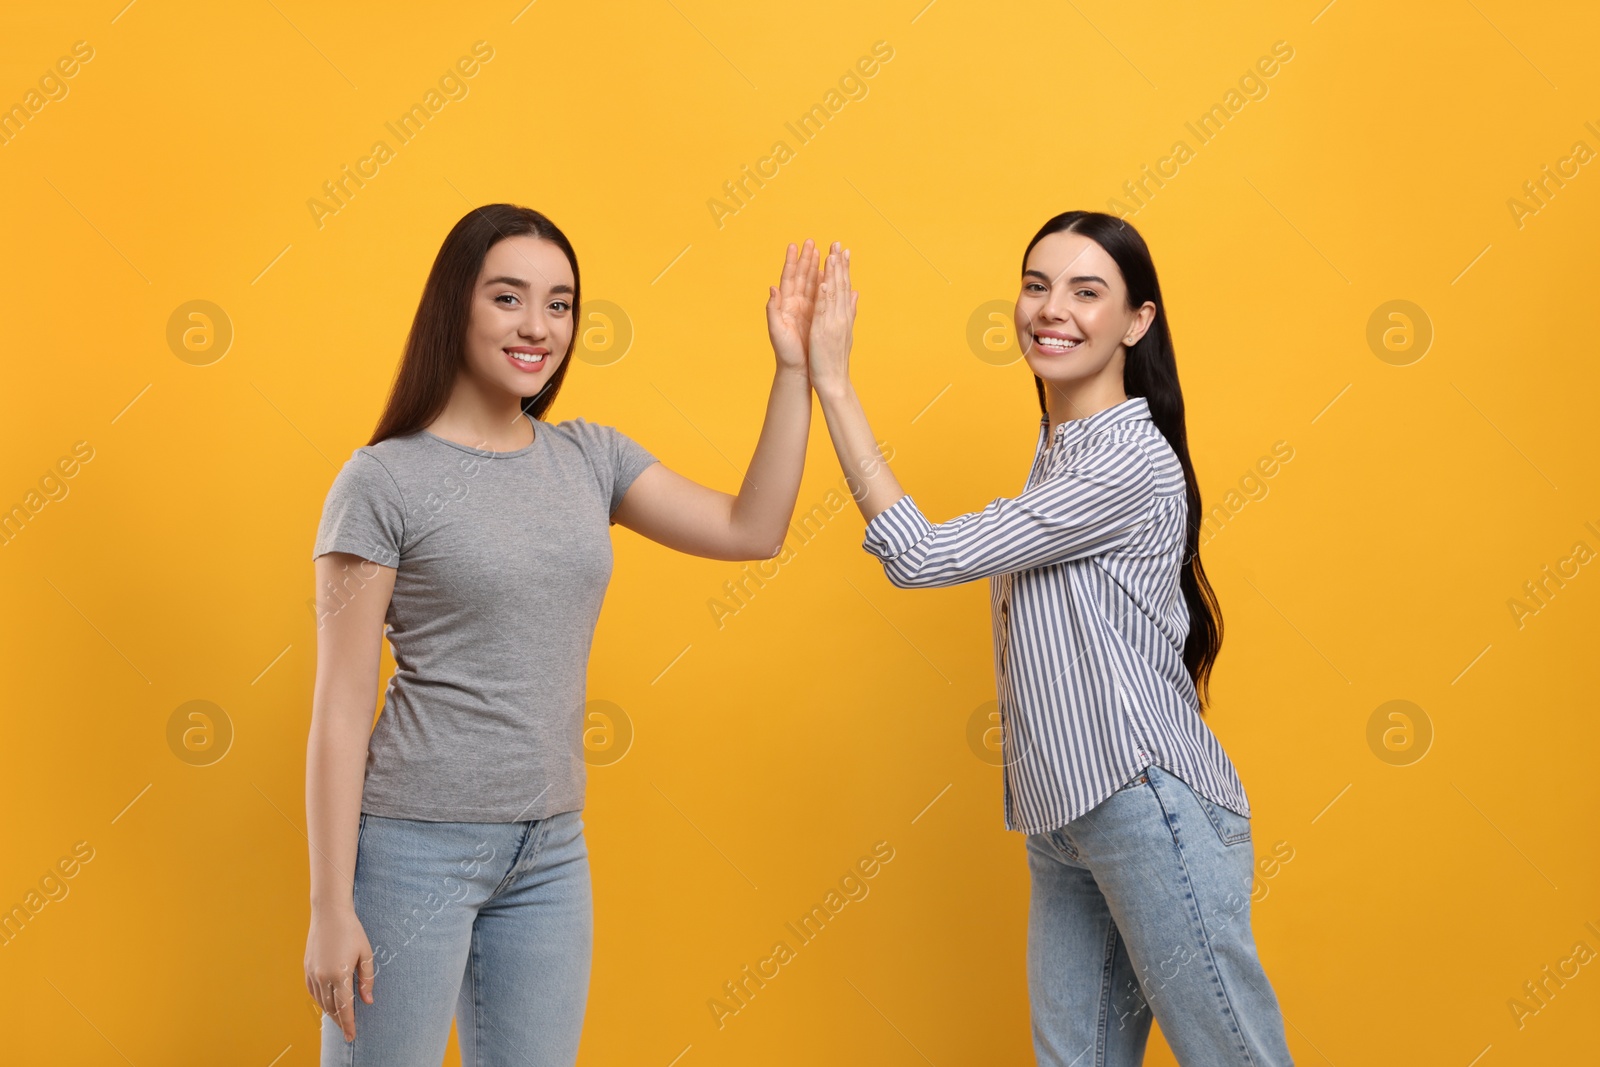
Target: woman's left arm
{"x":683,"y":514}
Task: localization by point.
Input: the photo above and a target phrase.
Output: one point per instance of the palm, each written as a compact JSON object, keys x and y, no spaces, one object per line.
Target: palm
{"x":790,"y":306}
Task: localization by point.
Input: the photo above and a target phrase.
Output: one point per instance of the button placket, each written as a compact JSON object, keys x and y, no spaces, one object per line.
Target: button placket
{"x":1003,"y":680}
{"x":1005,"y":613}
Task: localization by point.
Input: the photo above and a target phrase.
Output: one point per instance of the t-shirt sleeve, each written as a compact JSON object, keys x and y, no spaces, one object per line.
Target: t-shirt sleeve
{"x":364,"y":513}
{"x":617,"y":458}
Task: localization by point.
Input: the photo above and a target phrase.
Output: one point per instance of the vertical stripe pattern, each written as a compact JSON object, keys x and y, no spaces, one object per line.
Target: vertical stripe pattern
{"x":1089,"y":620}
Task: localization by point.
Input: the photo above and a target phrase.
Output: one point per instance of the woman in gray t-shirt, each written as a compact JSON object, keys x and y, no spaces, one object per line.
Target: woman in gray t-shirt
{"x":446,"y":842}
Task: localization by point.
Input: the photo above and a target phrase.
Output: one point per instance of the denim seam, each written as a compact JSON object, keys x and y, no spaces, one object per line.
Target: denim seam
{"x":1205,"y":935}
{"x":1107,"y":992}
{"x":477,"y":1007}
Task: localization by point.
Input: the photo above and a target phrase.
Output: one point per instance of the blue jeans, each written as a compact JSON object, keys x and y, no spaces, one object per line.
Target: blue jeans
{"x":1141,"y":906}
{"x":489,"y":922}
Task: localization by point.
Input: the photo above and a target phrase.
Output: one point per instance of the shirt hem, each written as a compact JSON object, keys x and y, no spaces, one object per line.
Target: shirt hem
{"x":1017,"y":826}
{"x":383,"y":557}
{"x":384,"y":811}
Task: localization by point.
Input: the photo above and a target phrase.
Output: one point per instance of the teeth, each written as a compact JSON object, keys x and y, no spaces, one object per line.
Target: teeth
{"x":1057,"y":342}
{"x":521,"y":358}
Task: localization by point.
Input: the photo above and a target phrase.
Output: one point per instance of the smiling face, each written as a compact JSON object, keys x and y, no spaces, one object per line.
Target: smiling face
{"x":522,"y":316}
{"x":1072,"y":316}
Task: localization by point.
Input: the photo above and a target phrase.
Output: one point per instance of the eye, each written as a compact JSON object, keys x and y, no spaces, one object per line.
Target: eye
{"x":560,"y":306}
{"x":1090,"y":292}
{"x":505,"y":296}
{"x":1031,"y":286}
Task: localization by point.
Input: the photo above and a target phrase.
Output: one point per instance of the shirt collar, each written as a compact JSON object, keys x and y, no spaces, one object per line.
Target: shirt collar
{"x":1135,"y":407}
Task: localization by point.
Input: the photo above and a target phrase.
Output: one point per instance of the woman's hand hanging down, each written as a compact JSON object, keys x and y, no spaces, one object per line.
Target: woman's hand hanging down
{"x":789,"y":307}
{"x":337,"y":941}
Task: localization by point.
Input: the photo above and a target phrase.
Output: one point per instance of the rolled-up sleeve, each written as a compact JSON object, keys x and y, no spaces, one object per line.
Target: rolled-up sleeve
{"x":1102,"y":498}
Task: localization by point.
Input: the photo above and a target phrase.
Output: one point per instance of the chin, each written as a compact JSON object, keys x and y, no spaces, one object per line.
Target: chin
{"x":1050,"y":369}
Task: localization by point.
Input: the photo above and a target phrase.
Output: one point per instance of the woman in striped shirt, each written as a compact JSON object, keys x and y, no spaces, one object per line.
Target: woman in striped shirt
{"x":1105,"y":632}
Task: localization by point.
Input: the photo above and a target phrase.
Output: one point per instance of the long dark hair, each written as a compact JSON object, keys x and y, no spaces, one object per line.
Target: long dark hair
{"x":1151,"y":371}
{"x":436,"y":346}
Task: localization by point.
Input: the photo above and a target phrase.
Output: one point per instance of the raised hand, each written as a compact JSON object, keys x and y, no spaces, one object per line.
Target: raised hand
{"x":790,"y":305}
{"x":832,"y":324}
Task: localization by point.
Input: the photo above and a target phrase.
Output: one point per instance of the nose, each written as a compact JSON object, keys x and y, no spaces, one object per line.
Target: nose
{"x":534,"y":325}
{"x":1055,"y":306}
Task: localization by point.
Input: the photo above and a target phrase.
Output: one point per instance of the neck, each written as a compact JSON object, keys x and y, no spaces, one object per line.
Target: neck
{"x":490,"y":419}
{"x":1079,"y":400}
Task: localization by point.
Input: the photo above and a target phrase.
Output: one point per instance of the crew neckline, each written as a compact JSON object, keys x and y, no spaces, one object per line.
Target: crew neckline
{"x":487,"y":453}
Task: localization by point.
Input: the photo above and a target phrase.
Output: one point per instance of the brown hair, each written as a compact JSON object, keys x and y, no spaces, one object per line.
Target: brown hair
{"x":436,"y":346}
{"x":1151,"y":371}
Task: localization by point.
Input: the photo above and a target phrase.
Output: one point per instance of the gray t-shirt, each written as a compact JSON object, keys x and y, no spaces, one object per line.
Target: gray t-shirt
{"x":502,"y":560}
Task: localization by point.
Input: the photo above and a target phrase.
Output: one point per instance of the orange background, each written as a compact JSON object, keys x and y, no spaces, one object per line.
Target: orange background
{"x":1430,"y":879}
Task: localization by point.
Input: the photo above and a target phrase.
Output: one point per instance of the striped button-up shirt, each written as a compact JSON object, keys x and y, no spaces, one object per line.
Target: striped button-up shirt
{"x":1089,"y":620}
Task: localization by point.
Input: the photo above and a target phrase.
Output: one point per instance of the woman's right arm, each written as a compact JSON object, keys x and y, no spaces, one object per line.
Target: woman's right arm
{"x":1101,"y":501}
{"x":352,"y":601}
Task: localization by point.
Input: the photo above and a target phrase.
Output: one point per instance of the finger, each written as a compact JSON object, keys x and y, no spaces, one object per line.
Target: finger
{"x":819,"y":318}
{"x":316,"y":993}
{"x":844,"y":273}
{"x":786,"y":276}
{"x":366,"y":973}
{"x":805,"y":270}
{"x":347,"y":1012}
{"x":813,"y":275}
{"x":344,"y":1004}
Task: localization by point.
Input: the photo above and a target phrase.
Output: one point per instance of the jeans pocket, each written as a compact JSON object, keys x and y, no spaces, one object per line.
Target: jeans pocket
{"x":1232,"y":828}
{"x":361,"y":828}
{"x":1053,"y":843}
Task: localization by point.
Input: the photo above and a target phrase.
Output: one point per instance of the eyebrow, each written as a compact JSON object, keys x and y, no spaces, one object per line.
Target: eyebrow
{"x":1075,"y":279}
{"x":519,"y":283}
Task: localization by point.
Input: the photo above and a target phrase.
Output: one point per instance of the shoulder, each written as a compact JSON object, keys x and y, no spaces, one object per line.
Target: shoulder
{"x":1148,"y":450}
{"x":580,"y":431}
{"x":594,"y":439}
{"x":1133,"y":456}
{"x":378,"y":467}
{"x":1122,"y":445}
{"x":386,"y":457}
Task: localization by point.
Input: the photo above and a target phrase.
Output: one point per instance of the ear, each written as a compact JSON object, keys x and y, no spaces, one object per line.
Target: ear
{"x":1141,"y":323}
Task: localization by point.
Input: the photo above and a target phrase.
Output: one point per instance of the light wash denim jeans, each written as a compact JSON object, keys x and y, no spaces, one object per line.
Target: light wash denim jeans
{"x":489,"y":922}
{"x":1141,"y":906}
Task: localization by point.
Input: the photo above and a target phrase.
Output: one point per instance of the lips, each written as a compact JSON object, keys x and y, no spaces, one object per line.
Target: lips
{"x":1052,"y":341}
{"x":531,"y":359}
